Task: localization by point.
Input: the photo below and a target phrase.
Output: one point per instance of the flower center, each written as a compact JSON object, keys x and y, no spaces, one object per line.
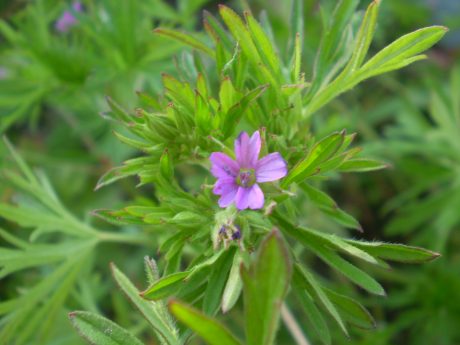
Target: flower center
{"x":246,"y":178}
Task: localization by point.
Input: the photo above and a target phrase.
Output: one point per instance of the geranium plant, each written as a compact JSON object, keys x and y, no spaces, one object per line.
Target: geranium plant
{"x":231,"y":151}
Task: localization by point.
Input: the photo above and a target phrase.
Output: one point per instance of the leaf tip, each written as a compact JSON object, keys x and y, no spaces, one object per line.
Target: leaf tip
{"x":445,"y":28}
{"x":434,"y":256}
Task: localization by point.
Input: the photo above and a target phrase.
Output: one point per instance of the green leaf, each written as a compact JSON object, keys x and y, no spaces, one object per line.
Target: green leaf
{"x":209,"y":261}
{"x":26,"y":171}
{"x":320,"y":152}
{"x":119,"y":217}
{"x":140,"y":145}
{"x":43,"y":222}
{"x":98,"y":330}
{"x":361,"y":165}
{"x":118,"y":112}
{"x":208,"y":329}
{"x":166,"y":166}
{"x":364,"y":38}
{"x":352,"y":272}
{"x":188,"y":219}
{"x":351,"y":311}
{"x":296,"y":27}
{"x":129,"y":168}
{"x":296,"y":60}
{"x":185,"y":38}
{"x":216,"y":31}
{"x":234,"y":114}
{"x":12,"y":260}
{"x":326,"y":204}
{"x":305,"y":280}
{"x":234,"y":284}
{"x":264,"y":287}
{"x":227,"y":94}
{"x":314,"y":239}
{"x":389,"y":67}
{"x":398,"y":54}
{"x":396,"y":252}
{"x":314,"y":317}
{"x":165,"y":286}
{"x":333,"y":48}
{"x":405,"y":47}
{"x":154,"y":313}
{"x":203,"y":116}
{"x":241,"y":33}
{"x":217,"y":280}
{"x":263,"y":44}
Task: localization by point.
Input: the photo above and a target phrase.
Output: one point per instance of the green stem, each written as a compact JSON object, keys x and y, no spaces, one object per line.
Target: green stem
{"x":293,"y":326}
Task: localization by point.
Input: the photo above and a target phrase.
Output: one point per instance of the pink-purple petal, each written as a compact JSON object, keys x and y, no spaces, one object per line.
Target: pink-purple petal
{"x":242,"y":198}
{"x":256,"y":198}
{"x":247,"y":149}
{"x":271,"y":168}
{"x":222,"y":166}
{"x":228,"y":192}
{"x":251,"y":197}
{"x":223,"y":185}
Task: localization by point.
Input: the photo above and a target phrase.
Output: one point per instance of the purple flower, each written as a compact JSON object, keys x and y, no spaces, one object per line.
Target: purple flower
{"x":67,"y":19}
{"x":237,"y":181}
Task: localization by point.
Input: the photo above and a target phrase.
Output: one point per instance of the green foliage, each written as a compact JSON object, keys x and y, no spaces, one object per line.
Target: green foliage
{"x":434,"y":144}
{"x":237,"y":78}
{"x":265,"y":285}
{"x":191,"y":121}
{"x":60,"y":265}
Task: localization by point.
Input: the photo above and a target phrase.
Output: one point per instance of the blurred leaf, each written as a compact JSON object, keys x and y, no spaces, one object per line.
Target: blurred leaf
{"x":351,"y":311}
{"x":264,"y":287}
{"x":314,"y":316}
{"x":185,"y":38}
{"x":326,"y":204}
{"x":208,"y":329}
{"x":303,"y":279}
{"x":361,"y":165}
{"x":98,"y":330}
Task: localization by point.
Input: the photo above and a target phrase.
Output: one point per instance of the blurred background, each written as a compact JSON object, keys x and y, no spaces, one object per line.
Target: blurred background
{"x":59,"y":60}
